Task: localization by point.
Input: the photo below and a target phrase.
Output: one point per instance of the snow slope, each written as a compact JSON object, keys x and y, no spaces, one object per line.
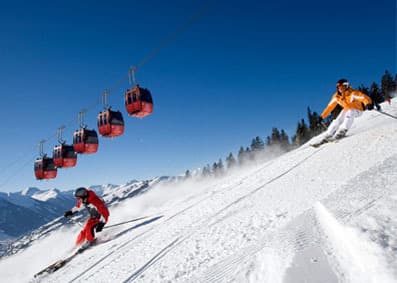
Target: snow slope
{"x":312,"y":215}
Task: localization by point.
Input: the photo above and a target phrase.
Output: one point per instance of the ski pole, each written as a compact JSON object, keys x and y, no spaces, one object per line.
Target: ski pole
{"x":323,"y":125}
{"x":387,"y":114}
{"x":129,"y":221}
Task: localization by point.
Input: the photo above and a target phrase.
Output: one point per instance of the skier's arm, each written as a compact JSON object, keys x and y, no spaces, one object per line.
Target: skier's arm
{"x":75,"y":209}
{"x":358,"y":95}
{"x":331,"y":105}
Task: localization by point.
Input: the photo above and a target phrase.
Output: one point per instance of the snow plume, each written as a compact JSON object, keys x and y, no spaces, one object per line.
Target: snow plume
{"x":152,"y":203}
{"x":356,"y":258}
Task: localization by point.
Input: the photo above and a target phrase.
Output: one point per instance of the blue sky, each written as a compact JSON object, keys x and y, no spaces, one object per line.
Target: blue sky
{"x":239,"y":70}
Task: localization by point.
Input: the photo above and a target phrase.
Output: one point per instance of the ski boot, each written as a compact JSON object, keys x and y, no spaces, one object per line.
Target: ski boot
{"x":340,"y":134}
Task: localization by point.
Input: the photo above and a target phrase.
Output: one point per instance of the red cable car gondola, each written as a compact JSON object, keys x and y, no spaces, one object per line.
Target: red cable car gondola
{"x":85,"y":141}
{"x":138,"y":102}
{"x":110,"y":123}
{"x":44,"y":167}
{"x":64,"y":154}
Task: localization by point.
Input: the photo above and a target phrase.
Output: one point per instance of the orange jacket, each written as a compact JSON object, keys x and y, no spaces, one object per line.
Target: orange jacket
{"x":349,"y":99}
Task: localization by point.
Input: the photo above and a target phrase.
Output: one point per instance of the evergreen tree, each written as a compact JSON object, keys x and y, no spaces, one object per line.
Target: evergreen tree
{"x":284,"y":141}
{"x":215,"y":169}
{"x":302,"y":133}
{"x":375,"y":93}
{"x":388,"y":85}
{"x":230,"y":161}
{"x":314,"y":123}
{"x":241,"y":156}
{"x":257,"y":144}
{"x":363,"y":89}
{"x":276,"y":136}
{"x":220,"y":167}
{"x":395,"y":83}
{"x":206,"y":171}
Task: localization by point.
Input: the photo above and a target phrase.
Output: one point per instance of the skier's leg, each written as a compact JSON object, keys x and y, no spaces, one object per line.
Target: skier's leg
{"x":334,"y":126}
{"x":350,"y":115}
{"x":82,"y":235}
{"x":80,"y":238}
{"x":90,"y":229}
{"x":348,"y":122}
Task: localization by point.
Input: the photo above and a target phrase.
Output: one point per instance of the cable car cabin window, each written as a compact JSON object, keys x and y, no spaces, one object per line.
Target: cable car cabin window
{"x":105,"y":119}
{"x":116,"y":118}
{"x":146,"y":96}
{"x":77,"y":137}
{"x":102,"y":119}
{"x":68,"y":151}
{"x":37,"y":165}
{"x":57,"y":152}
{"x":49,"y":164}
{"x":91,"y":137}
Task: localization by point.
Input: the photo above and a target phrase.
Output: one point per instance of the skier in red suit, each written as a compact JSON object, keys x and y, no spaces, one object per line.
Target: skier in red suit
{"x":98,"y":211}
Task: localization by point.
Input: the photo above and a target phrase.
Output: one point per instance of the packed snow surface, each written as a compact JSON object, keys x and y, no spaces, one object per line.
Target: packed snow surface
{"x":326,"y":214}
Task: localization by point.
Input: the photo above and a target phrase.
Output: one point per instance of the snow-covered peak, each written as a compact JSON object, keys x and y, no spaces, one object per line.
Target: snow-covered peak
{"x":101,"y":189}
{"x":46,"y":195}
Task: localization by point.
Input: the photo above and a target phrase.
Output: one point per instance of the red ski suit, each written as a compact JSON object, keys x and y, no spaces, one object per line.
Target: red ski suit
{"x":98,"y":213}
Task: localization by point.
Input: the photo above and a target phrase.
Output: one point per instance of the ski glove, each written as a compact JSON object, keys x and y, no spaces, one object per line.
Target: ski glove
{"x":68,"y":213}
{"x":99,"y":227}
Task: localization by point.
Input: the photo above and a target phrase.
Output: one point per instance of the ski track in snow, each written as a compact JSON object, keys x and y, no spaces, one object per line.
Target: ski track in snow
{"x":278,"y":222}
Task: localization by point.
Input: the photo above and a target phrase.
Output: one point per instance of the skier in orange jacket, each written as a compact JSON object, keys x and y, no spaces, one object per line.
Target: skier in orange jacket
{"x":353,"y":103}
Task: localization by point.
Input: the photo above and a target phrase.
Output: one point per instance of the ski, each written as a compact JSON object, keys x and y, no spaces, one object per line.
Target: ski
{"x":59,"y":263}
{"x":324,"y":141}
{"x":329,"y":140}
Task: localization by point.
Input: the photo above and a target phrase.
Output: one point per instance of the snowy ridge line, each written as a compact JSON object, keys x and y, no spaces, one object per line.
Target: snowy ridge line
{"x":205,"y":223}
